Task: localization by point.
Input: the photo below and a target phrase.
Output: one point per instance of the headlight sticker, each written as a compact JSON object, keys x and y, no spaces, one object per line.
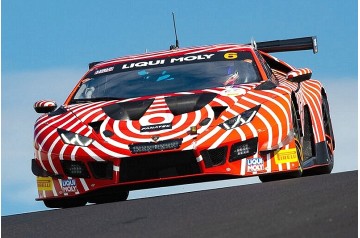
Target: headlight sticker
{"x":72,"y":138}
{"x":239,"y":120}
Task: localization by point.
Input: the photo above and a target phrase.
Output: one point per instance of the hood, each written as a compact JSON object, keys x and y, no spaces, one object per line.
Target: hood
{"x":172,"y":105}
{"x":166,"y":116}
{"x":161,"y":122}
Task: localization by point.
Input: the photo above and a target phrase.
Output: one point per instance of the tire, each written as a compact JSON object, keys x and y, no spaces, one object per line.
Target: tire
{"x":297,"y":137}
{"x":108,"y":197}
{"x":65,"y":203}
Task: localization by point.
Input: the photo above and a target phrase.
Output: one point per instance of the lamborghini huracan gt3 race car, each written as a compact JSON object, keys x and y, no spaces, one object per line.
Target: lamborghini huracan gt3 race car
{"x":181,"y":116}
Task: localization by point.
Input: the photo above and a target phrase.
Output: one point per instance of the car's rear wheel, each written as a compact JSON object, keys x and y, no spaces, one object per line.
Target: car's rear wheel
{"x":65,"y":203}
{"x":297,"y":137}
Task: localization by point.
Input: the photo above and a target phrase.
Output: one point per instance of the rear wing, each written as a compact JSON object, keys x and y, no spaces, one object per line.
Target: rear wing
{"x":304,"y":43}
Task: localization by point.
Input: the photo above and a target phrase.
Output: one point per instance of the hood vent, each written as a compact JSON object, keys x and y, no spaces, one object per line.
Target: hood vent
{"x":96,"y":125}
{"x":188,"y":103}
{"x":267,"y":85}
{"x":218,"y":110}
{"x":132,"y":110}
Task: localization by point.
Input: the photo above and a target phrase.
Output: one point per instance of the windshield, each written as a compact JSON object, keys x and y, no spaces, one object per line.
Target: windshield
{"x":170,"y":75}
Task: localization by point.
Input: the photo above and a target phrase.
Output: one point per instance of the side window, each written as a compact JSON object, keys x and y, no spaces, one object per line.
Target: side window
{"x":266,"y":67}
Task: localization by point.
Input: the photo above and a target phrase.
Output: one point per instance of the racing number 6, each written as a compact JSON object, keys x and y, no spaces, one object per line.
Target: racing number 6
{"x":230,"y":55}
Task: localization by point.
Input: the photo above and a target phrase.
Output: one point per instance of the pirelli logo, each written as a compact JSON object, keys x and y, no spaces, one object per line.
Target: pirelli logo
{"x":44,"y":183}
{"x":286,"y":156}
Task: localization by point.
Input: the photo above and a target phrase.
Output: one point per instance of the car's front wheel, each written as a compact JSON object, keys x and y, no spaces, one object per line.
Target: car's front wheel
{"x":65,"y":203}
{"x":112,"y":196}
{"x":297,"y":136}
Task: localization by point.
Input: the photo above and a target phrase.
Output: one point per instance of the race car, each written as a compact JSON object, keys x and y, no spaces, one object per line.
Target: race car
{"x":180,"y":116}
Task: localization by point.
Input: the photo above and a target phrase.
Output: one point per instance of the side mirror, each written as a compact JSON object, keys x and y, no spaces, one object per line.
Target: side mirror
{"x":44,"y":106}
{"x":299,"y":75}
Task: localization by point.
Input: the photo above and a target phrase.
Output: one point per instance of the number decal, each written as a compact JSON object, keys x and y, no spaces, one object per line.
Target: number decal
{"x":230,"y":55}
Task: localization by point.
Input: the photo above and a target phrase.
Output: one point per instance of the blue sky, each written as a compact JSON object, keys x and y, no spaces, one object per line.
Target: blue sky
{"x":46,"y":46}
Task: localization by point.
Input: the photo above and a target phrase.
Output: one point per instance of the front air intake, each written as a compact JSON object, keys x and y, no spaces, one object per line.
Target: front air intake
{"x":214,"y":157}
{"x":243,"y":149}
{"x":101,"y":170}
{"x":75,"y":169}
{"x":157,"y":166}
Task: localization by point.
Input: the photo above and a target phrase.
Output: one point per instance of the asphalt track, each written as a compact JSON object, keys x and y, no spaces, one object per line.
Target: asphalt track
{"x":317,"y":206}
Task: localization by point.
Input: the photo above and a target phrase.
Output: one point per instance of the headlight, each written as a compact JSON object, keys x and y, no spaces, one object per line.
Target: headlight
{"x":72,"y":138}
{"x":241,"y":119}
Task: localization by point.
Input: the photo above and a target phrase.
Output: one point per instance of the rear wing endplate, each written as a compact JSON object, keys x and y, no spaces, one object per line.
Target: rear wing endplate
{"x":304,"y":43}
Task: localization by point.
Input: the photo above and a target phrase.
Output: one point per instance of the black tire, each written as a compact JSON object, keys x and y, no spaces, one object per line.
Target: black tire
{"x":297,"y":136}
{"x":65,"y":203}
{"x":108,"y":197}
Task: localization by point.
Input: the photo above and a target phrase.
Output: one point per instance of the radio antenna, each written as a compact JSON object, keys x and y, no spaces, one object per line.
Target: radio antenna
{"x":172,"y":47}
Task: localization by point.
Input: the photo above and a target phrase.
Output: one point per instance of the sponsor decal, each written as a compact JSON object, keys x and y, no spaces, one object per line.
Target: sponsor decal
{"x":105,"y":70}
{"x":286,"y":156}
{"x":191,"y":58}
{"x":69,"y":185}
{"x":44,"y":183}
{"x":173,"y":60}
{"x":230,"y":91}
{"x":157,"y":127}
{"x":143,"y":64}
{"x":255,"y":165}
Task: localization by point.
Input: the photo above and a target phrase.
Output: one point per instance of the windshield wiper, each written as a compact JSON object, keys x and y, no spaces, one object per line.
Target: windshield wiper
{"x":84,"y":100}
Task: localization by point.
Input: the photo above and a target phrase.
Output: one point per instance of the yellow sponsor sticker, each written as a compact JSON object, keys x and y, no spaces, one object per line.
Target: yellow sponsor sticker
{"x":286,"y":156}
{"x":44,"y":183}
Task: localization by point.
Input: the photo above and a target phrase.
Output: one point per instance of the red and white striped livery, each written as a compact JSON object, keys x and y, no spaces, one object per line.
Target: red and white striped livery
{"x":182,"y":116}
